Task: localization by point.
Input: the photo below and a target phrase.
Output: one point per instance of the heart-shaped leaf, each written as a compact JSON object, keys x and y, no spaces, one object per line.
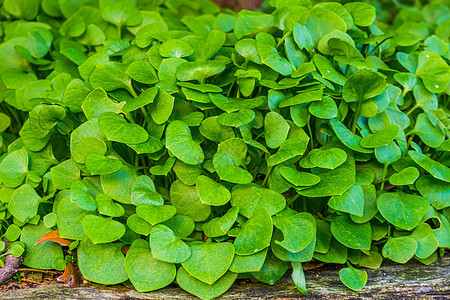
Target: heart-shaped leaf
{"x":166,"y":246}
{"x":255,"y":234}
{"x":145,"y":272}
{"x":117,"y":129}
{"x":211,"y":192}
{"x":209,"y":261}
{"x":102,"y":230}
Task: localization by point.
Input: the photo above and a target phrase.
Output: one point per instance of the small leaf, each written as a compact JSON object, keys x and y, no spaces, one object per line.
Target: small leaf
{"x":353,"y":278}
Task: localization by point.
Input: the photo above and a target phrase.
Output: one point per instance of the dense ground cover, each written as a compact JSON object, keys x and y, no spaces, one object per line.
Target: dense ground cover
{"x":169,"y":141}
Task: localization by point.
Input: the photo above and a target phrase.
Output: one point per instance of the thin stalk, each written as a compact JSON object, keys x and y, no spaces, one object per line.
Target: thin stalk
{"x":356,"y":116}
{"x":384,"y":176}
{"x":412,"y":109}
{"x":266,"y":179}
{"x":311,"y":135}
{"x":280,"y":42}
{"x":376,"y":47}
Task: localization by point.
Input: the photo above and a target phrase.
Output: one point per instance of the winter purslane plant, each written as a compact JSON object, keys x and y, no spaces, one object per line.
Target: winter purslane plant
{"x":170,"y":141}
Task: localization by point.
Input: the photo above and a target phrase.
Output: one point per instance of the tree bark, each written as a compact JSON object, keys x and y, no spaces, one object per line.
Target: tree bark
{"x":11,"y":265}
{"x":391,"y":281}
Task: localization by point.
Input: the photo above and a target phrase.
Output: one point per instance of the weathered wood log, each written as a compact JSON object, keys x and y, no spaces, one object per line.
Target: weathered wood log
{"x":391,"y":281}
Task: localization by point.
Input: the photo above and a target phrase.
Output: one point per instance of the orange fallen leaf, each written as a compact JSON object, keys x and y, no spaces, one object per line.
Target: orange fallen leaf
{"x":54,"y":237}
{"x":70,"y":277}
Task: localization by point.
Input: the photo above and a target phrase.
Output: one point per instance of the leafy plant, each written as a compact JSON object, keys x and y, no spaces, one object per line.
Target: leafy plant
{"x":210,"y":145}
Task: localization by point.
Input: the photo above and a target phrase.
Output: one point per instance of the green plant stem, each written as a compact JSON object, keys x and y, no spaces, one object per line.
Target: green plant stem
{"x":377,"y":46}
{"x":356,"y":116}
{"x":384,"y":176}
{"x":311,"y":136}
{"x":412,"y":109}
{"x":266,"y":179}
{"x":285,"y":36}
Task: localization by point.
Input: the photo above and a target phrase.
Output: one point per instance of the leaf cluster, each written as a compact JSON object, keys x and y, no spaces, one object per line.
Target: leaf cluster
{"x":211,"y":145}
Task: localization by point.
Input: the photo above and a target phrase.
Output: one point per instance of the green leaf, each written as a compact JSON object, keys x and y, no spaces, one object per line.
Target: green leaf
{"x":400,"y":249}
{"x":145,"y":98}
{"x":352,"y":201}
{"x":228,"y":160}
{"x":179,"y":141}
{"x":363,"y":14}
{"x":248,"y":263}
{"x":427,"y":242}
{"x":353,"y":278}
{"x":22,"y":8}
{"x":109,"y":75}
{"x":102,"y":263}
{"x":438,"y":170}
{"x":272,"y":270}
{"x":250,"y":196}
{"x":303,"y":38}
{"x":298,"y":230}
{"x":98,"y":164}
{"x":97,"y":102}
{"x":79,"y":195}
{"x":12,"y":233}
{"x":209,"y":261}
{"x":333,"y":182}
{"x":276,"y":129}
{"x":220,"y":226}
{"x":303,"y":97}
{"x":199,"y":71}
{"x":102,"y":230}
{"x":108,"y":207}
{"x":299,"y":278}
{"x":236,"y":119}
{"x":211,"y":192}
{"x":122,"y":12}
{"x":187,"y":201}
{"x":325,"y":109}
{"x":255,"y":234}
{"x":203,"y":290}
{"x":247,"y":49}
{"x":327,"y":158}
{"x":143,"y":191}
{"x":166,"y":246}
{"x":347,"y":137}
{"x":69,"y":217}
{"x":322,"y":21}
{"x":337,"y":254}
{"x":431,"y":135}
{"x":145,"y":272}
{"x":406,"y":176}
{"x":350,"y":234}
{"x":370,"y":205}
{"x":143,"y":72}
{"x":299,"y":178}
{"x":42,"y":255}
{"x":155,"y":214}
{"x":362,"y":85}
{"x":14,"y":168}
{"x":24,"y":203}
{"x":175,"y":48}
{"x":252,"y":22}
{"x":390,"y":204}
{"x":86,"y":146}
{"x":434,"y":71}
{"x":436,"y":191}
{"x":290,"y":148}
{"x":117,"y":129}
{"x":270,"y":57}
{"x":382,"y":137}
{"x":118,"y":185}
